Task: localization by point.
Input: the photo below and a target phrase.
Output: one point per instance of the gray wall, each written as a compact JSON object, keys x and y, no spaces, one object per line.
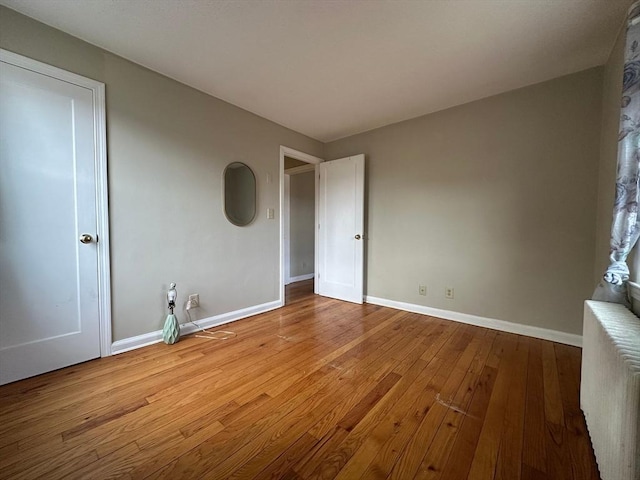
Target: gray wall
{"x":611,"y":96}
{"x":302,"y":215}
{"x":495,"y":198}
{"x":168,"y":145}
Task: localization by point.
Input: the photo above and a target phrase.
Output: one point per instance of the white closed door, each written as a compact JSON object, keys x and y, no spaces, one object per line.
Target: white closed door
{"x":49,"y":313}
{"x":341,"y":229}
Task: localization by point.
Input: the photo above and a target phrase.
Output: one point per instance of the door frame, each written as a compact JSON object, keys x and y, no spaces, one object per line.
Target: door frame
{"x":286,"y":229}
{"x":102,"y":198}
{"x":304,"y":157}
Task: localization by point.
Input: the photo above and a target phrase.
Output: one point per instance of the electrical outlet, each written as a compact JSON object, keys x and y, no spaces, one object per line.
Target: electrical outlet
{"x":448,"y":292}
{"x":422,"y":289}
{"x":194,"y":300}
{"x":270,"y":213}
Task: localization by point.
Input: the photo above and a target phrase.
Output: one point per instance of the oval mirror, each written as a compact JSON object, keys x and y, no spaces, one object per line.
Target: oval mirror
{"x":239,"y":194}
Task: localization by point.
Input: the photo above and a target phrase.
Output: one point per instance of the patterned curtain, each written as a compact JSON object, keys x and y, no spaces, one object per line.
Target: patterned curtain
{"x":625,"y":228}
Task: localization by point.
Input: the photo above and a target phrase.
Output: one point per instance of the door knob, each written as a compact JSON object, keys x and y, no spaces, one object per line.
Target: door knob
{"x":86,"y":238}
{"x":358,"y":237}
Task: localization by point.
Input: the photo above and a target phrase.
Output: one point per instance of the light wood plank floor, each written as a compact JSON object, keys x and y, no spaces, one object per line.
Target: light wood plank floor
{"x":317,"y":389}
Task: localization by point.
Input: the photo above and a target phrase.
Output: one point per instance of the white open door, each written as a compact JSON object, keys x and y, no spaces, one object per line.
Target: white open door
{"x":50,"y":162}
{"x":341,"y":228}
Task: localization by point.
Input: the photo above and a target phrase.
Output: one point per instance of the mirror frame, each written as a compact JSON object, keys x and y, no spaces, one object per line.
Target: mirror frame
{"x":224,"y":194}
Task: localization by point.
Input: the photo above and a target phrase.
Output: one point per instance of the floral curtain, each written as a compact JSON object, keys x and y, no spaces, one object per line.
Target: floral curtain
{"x":625,"y":228}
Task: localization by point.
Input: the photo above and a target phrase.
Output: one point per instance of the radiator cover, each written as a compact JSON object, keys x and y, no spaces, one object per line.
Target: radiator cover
{"x":610,"y":388}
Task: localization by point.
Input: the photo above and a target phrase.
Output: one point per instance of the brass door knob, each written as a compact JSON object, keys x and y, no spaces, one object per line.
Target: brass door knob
{"x":86,"y":238}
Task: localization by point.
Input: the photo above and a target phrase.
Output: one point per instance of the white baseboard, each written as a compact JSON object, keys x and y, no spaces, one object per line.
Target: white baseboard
{"x":300,"y":278}
{"x":150,"y":338}
{"x":492,"y":323}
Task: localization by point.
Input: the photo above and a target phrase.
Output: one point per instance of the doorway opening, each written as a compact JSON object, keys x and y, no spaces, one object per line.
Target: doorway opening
{"x":298,"y":220}
{"x":298,"y":291}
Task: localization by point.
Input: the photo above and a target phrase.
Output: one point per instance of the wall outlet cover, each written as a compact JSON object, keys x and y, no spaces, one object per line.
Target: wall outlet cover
{"x":194,"y":300}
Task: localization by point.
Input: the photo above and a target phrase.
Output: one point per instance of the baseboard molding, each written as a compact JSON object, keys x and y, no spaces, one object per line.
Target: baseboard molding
{"x":492,"y":323}
{"x":150,"y":338}
{"x":300,"y":278}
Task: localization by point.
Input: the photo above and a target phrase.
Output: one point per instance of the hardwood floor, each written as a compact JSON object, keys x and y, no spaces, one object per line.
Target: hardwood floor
{"x":317,"y":389}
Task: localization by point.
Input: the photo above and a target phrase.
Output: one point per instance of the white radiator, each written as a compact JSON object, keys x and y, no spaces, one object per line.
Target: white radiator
{"x":610,"y":388}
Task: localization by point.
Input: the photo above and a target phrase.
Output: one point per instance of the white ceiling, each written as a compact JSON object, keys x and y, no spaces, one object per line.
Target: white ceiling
{"x":332,"y":68}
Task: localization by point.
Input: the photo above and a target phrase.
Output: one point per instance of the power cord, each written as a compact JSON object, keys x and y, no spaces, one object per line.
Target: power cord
{"x":211,"y":335}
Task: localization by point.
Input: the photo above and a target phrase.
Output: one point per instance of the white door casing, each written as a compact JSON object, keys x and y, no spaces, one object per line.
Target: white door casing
{"x":305,"y":157}
{"x":341,"y":228}
{"x":286,"y":218}
{"x":54,"y":290}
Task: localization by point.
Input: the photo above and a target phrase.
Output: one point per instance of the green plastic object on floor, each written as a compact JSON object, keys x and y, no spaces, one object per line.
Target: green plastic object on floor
{"x":171,"y":330}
